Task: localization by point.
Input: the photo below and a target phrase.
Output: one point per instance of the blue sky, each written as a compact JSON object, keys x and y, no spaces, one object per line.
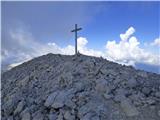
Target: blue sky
{"x":51,"y":22}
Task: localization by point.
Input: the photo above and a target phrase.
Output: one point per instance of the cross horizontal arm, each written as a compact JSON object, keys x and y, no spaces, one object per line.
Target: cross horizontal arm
{"x":76,"y":30}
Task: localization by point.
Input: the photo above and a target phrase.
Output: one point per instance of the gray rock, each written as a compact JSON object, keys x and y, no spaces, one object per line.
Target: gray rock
{"x":58,"y":104}
{"x":38,"y":116}
{"x":146,"y":90}
{"x":94,"y":107}
{"x":65,"y":80}
{"x":60,"y":99}
{"x":70,"y":103}
{"x":157,"y":94}
{"x":150,"y":101}
{"x":129,"y":109}
{"x":26,"y":115}
{"x":24,"y":81}
{"x":19,"y":107}
{"x":52,"y":116}
{"x":68,"y":116}
{"x":107,"y":96}
{"x":51,"y":98}
{"x":158,"y":113}
{"x":78,"y":86}
{"x":120,"y":96}
{"x":10,"y":118}
{"x":132,"y":83}
{"x":9,"y":104}
{"x":87,"y":116}
{"x":95,"y":118}
{"x":83,"y":110}
{"x":60,"y":116}
{"x":101,"y":86}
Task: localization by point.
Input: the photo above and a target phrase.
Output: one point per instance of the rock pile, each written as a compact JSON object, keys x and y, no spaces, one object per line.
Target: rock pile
{"x":59,"y":87}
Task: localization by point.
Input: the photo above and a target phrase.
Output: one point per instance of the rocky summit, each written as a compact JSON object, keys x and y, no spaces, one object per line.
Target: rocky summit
{"x":78,"y":87}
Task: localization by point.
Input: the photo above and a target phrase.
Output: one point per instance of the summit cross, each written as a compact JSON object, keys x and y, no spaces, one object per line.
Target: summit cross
{"x":75,"y":30}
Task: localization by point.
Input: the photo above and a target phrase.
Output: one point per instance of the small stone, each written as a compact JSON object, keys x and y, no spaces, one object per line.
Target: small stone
{"x":57,"y":104}
{"x":52,"y":116}
{"x":157,"y":94}
{"x":83,"y":110}
{"x":107,"y":96}
{"x":60,"y":99}
{"x":87,"y":116}
{"x":60,"y":116}
{"x":101,"y":86}
{"x":151,"y":101}
{"x":152,"y":107}
{"x":128,"y":108}
{"x":70,"y":103}
{"x":9,"y":105}
{"x":26,"y":116}
{"x":146,"y":90}
{"x":79,"y":86}
{"x":132,"y":83}
{"x":50,"y":99}
{"x":159,"y":113}
{"x":24,"y":81}
{"x":120,"y":96}
{"x":68,"y":116}
{"x":38,"y":116}
{"x":10,"y":118}
{"x":95,"y":118}
{"x":116,"y":112}
{"x":19,"y":107}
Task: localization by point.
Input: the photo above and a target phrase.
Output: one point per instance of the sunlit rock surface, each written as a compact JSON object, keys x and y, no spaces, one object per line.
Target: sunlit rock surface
{"x":60,"y":87}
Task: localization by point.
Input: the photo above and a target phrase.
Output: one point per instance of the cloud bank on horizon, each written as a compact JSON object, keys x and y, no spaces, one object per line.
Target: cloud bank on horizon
{"x":127,"y":51}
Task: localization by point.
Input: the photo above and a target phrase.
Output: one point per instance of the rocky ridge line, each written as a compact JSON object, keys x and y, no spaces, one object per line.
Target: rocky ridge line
{"x":60,"y":87}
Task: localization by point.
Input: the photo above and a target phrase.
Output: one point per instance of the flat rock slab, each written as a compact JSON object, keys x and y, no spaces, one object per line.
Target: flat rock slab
{"x":50,"y":99}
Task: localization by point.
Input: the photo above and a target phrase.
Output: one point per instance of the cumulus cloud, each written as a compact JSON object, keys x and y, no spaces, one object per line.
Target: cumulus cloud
{"x":127,"y":34}
{"x":126,"y":51}
{"x":156,"y":42}
{"x":82,"y":48}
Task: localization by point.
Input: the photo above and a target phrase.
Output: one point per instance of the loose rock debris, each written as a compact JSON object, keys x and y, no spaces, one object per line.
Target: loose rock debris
{"x":79,"y":87}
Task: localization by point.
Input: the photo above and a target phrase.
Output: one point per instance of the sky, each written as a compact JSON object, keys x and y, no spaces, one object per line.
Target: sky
{"x":123,"y":32}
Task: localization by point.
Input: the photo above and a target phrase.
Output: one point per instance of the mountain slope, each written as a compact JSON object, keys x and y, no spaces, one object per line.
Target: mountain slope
{"x":57,"y":87}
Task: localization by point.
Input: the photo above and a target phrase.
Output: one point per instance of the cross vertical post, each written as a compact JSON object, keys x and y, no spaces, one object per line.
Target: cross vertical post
{"x":76,"y":39}
{"x":75,"y":30}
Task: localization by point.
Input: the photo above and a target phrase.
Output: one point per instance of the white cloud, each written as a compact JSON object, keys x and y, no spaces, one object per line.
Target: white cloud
{"x":156,"y":42}
{"x":127,"y":34}
{"x":128,"y":51}
{"x":81,"y":42}
{"x":82,"y":48}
